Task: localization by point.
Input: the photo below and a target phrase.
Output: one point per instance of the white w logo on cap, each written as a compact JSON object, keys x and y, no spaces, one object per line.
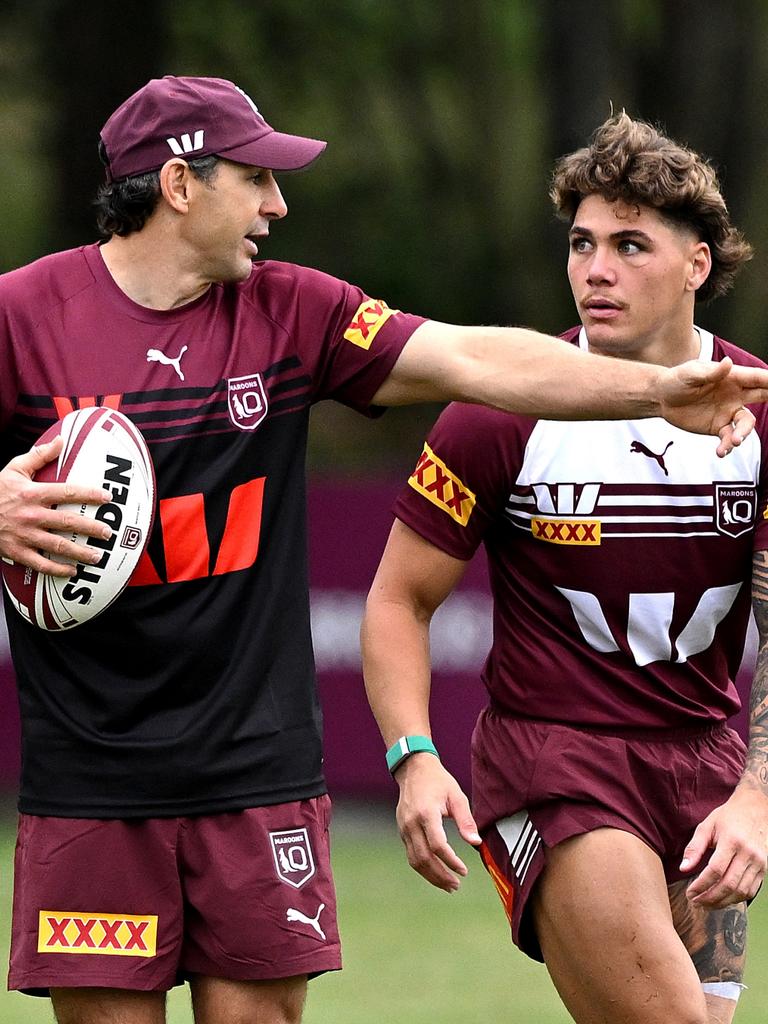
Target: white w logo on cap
{"x":187,"y":145}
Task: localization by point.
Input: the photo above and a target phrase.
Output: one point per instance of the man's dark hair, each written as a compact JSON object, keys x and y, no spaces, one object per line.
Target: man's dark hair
{"x":632,"y":161}
{"x":123,"y":207}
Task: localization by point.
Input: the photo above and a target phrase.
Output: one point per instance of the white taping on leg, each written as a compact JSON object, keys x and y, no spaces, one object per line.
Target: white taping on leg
{"x":724,"y":989}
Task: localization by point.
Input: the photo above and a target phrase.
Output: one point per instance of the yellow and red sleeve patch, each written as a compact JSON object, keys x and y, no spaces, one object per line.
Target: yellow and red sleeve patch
{"x":438,"y":484}
{"x":64,"y":931}
{"x":370,"y":317}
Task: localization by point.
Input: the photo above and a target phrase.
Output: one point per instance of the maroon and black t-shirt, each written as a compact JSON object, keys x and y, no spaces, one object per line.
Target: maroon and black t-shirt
{"x":619,"y":553}
{"x":195,"y":691}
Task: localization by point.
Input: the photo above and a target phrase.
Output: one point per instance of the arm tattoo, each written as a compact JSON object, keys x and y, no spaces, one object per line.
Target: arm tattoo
{"x":716,"y":940}
{"x":756,"y":772}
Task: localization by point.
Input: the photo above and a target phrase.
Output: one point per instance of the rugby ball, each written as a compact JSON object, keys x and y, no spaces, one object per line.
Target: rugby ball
{"x":101,"y":448}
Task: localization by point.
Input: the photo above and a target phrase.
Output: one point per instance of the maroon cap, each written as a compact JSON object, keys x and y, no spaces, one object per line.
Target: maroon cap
{"x":191,"y":117}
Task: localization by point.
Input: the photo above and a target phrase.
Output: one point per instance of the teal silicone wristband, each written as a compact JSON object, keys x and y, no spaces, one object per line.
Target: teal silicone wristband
{"x":406,"y":746}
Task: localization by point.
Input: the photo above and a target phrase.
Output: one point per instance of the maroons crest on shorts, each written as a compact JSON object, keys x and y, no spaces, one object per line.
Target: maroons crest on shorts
{"x":292,"y":852}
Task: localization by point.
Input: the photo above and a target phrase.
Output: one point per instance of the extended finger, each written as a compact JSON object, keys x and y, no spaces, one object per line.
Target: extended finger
{"x":718,"y":885}
{"x":743,"y":422}
{"x":35,"y":559}
{"x":43,"y":544}
{"x":439,"y":847}
{"x":733,"y":433}
{"x":731,"y":890}
{"x":422,"y":860}
{"x":70,"y":494}
{"x":715,"y":870}
{"x":71,"y":523}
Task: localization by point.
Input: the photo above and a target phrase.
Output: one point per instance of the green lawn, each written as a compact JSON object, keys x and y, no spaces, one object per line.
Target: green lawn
{"x":412,"y":954}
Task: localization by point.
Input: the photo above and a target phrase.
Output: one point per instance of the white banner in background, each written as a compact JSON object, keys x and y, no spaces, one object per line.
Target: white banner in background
{"x":460,"y":636}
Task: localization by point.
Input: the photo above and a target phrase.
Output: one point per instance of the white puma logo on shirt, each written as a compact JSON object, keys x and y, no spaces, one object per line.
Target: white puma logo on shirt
{"x":296,"y":915}
{"x":154,"y":355}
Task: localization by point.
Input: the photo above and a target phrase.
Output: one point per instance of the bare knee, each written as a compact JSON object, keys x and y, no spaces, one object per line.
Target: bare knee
{"x":107,"y":1006}
{"x":221,"y":1001}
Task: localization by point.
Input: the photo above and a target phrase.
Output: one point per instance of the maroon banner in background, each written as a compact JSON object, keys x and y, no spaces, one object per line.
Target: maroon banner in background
{"x":348,"y":527}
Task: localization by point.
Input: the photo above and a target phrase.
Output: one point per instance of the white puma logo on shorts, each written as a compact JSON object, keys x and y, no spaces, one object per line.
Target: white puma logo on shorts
{"x":154,"y":355}
{"x":296,"y":915}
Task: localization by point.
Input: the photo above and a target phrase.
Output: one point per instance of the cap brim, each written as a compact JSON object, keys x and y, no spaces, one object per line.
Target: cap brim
{"x":277,"y":152}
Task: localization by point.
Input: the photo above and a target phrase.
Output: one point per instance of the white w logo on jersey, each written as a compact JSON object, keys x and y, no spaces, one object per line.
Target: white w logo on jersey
{"x":650,"y":617}
{"x":187,"y":144}
{"x":566,"y":499}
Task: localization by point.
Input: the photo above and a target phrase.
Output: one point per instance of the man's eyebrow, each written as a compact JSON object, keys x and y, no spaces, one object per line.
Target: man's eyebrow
{"x":616,"y":236}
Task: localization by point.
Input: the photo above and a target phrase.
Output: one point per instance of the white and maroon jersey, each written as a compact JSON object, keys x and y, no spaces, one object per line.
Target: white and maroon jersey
{"x":195,"y":691}
{"x":619,"y":554}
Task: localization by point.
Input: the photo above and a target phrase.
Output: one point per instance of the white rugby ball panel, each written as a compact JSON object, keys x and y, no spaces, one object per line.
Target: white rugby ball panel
{"x":102,"y":448}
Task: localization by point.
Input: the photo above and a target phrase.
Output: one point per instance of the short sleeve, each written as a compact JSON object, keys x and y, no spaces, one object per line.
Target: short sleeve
{"x":460,"y":485}
{"x":347,"y":341}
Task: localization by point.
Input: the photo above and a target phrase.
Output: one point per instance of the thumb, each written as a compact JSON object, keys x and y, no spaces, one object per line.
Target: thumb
{"x":717,"y":370}
{"x":465,"y":823}
{"x":708,"y":373}
{"x":38,"y":456}
{"x":698,"y":846}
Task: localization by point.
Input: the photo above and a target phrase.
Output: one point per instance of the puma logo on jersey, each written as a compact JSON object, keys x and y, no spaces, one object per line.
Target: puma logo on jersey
{"x":314,"y":922}
{"x":154,"y":355}
{"x":638,"y":446}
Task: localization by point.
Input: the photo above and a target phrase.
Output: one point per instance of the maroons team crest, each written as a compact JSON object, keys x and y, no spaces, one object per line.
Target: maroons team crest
{"x":292,"y":851}
{"x":735,"y":508}
{"x":247,"y":401}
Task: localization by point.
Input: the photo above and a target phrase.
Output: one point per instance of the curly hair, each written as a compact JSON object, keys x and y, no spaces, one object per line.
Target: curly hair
{"x":632,"y":161}
{"x":124,"y":206}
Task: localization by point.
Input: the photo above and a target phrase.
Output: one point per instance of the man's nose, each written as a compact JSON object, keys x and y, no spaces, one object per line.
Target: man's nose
{"x":274,"y":206}
{"x":601,"y":267}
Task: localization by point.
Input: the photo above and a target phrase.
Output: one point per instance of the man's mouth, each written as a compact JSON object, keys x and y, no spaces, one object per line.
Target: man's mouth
{"x":252,"y":243}
{"x":602,"y":308}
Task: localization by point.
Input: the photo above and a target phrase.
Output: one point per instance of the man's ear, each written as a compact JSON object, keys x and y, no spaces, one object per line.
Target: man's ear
{"x":174,"y":184}
{"x":700,"y":266}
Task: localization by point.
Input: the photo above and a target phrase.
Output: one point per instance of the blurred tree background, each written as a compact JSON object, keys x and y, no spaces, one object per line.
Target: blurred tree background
{"x":443,"y":121}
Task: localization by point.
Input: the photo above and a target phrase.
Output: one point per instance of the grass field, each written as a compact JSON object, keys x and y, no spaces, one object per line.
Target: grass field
{"x":412,"y":954}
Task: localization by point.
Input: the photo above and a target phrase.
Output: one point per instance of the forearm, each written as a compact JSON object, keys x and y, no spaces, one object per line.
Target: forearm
{"x":756,"y":769}
{"x":551,"y":379}
{"x":396,"y":668}
{"x":522,"y":371}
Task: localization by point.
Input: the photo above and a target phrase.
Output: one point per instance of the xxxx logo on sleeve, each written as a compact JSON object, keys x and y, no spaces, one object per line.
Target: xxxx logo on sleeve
{"x":64,"y":931}
{"x":438,"y":484}
{"x":370,"y":317}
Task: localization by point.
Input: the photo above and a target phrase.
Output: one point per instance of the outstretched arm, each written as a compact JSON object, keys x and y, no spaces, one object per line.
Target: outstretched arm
{"x":413,"y":579}
{"x":737,"y":832}
{"x":522,"y":371}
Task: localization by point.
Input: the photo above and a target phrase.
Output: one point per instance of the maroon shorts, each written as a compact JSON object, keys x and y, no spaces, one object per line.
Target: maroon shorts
{"x":560,"y":782}
{"x":142,"y":904}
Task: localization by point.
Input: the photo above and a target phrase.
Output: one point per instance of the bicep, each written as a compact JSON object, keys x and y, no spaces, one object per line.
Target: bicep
{"x":414,"y":573}
{"x":427,"y":368}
